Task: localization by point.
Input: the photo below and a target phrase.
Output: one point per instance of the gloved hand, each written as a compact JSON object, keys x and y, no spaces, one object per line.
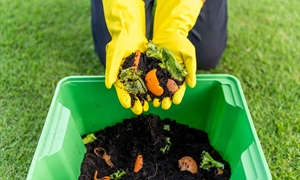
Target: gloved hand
{"x":126,"y":24}
{"x":172,"y":22}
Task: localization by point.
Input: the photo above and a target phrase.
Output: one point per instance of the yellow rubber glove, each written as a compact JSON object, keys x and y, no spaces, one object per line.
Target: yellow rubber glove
{"x":125,"y":21}
{"x":172,"y":22}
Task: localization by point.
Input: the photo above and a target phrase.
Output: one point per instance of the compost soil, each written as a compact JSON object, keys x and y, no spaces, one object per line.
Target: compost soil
{"x":145,"y":65}
{"x":146,"y":135}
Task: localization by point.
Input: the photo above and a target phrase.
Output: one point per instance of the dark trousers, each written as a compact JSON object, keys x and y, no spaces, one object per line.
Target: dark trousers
{"x":209,"y":35}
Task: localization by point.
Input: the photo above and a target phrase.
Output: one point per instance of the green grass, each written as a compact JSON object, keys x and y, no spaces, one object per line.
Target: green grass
{"x":43,"y":41}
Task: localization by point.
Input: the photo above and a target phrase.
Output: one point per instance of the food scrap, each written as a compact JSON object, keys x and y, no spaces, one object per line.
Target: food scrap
{"x":166,"y":127}
{"x":152,"y":83}
{"x":115,"y":176}
{"x":172,"y":86}
{"x":137,"y":57}
{"x":103,"y":178}
{"x":167,"y":147}
{"x":138,"y":165}
{"x":187,"y":163}
{"x":208,"y":162}
{"x":168,"y":61}
{"x":89,"y":138}
{"x":103,"y":156}
{"x":219,"y":172}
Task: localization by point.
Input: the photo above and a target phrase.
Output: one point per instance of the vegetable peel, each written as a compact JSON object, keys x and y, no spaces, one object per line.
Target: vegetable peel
{"x":152,"y":83}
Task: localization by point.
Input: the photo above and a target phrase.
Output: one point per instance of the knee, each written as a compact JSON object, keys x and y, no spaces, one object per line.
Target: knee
{"x":208,"y":59}
{"x":209,"y":54}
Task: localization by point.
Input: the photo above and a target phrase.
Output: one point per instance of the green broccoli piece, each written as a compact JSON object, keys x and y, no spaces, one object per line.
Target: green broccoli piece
{"x":208,"y":162}
{"x":153,"y":51}
{"x":168,"y":60}
{"x":89,"y":138}
{"x":132,"y":82}
{"x":118,"y":175}
{"x":167,"y":127}
{"x":167,"y":147}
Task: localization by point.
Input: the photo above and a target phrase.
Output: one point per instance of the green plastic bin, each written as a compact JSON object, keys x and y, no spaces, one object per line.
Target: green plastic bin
{"x":83,"y":105}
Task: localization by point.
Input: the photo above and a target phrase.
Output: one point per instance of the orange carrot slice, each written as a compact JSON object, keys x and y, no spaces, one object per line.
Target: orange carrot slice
{"x":152,"y":83}
{"x":95,"y":175}
{"x":103,"y":178}
{"x":136,"y":59}
{"x":106,"y":178}
{"x":138,"y":163}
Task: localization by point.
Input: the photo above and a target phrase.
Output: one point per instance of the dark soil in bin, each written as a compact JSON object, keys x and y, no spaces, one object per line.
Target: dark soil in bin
{"x":146,"y":135}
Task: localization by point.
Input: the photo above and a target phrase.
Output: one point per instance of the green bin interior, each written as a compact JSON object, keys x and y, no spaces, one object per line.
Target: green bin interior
{"x":82,"y":104}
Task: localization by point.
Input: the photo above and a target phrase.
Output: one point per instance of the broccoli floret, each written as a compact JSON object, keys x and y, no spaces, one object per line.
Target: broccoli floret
{"x":118,"y":175}
{"x":208,"y":162}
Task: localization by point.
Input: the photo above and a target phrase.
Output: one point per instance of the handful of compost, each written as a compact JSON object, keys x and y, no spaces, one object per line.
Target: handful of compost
{"x":162,"y":79}
{"x":152,"y":76}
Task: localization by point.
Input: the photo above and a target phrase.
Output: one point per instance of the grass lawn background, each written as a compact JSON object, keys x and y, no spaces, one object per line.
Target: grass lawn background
{"x":43,"y":41}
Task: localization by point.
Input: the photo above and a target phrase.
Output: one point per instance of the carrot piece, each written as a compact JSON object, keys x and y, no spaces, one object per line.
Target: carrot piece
{"x":138,"y":163}
{"x":95,"y":175}
{"x":136,"y":59}
{"x":152,"y":83}
{"x":103,"y":178}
